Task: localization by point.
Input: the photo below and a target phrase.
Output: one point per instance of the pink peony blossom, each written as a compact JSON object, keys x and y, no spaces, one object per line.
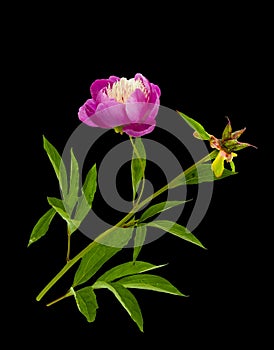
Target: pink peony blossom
{"x":128,"y":106}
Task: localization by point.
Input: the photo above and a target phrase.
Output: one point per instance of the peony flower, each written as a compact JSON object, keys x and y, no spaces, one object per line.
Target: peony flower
{"x":126,"y":105}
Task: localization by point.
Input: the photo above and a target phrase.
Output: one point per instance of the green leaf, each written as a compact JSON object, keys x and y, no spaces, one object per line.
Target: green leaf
{"x":90,"y":184}
{"x":127,"y":300}
{"x":58,"y":205}
{"x":42,"y":226}
{"x":150,"y":282}
{"x":86,"y":302}
{"x":101,"y":253}
{"x":204,"y":173}
{"x":199,"y":129}
{"x":58,"y":165}
{"x":201,"y":173}
{"x":72,"y":197}
{"x":139,"y":239}
{"x":175,"y":229}
{"x":158,"y":208}
{"x":128,"y":268}
{"x":138,"y":164}
{"x":88,"y":192}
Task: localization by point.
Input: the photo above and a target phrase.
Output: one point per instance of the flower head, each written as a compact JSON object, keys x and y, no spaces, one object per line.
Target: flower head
{"x":227,"y":145}
{"x":126,"y":105}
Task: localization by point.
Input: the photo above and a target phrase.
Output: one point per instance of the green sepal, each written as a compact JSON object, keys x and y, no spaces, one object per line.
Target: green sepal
{"x":230,"y":145}
{"x":227,"y":131}
{"x":237,"y":134}
{"x":218,"y":165}
{"x":118,"y":129}
{"x":232,"y":166}
{"x":240,"y":145}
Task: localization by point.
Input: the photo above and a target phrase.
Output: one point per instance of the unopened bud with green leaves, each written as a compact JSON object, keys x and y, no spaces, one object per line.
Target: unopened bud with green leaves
{"x":227,"y":145}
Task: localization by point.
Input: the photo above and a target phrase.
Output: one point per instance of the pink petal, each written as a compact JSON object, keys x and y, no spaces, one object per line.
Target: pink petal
{"x":144,"y":80}
{"x":86,"y":111}
{"x":109,"y":115}
{"x":153,"y":90}
{"x":136,"y":107}
{"x":100,"y":84}
{"x":139,"y":112}
{"x":138,"y":130}
{"x":155,"y":94}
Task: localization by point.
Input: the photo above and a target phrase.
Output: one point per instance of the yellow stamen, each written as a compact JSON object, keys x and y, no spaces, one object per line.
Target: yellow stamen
{"x":122,"y":89}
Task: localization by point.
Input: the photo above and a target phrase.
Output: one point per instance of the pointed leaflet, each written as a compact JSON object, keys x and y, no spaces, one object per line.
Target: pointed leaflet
{"x":199,"y":174}
{"x":158,"y":208}
{"x":42,"y":226}
{"x":175,"y":229}
{"x":139,"y":239}
{"x":101,"y":253}
{"x":58,"y":205}
{"x":72,"y":197}
{"x":86,"y":302}
{"x":204,"y":173}
{"x":128,"y":268}
{"x":58,"y":165}
{"x":150,"y":282}
{"x":199,"y":129}
{"x":138,"y":164}
{"x":127,"y":299}
{"x":88,"y":192}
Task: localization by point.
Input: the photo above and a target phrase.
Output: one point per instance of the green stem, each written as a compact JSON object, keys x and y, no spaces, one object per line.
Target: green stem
{"x":81,"y":254}
{"x":135,"y":150}
{"x":68,"y":294}
{"x":68,"y":247}
{"x":175,"y":182}
{"x":137,"y":207}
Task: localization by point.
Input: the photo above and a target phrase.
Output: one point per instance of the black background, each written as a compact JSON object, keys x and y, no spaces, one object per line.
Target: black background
{"x":207,"y":66}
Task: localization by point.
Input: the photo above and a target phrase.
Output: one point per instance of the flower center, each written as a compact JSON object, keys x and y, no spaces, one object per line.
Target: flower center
{"x":122,"y":89}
